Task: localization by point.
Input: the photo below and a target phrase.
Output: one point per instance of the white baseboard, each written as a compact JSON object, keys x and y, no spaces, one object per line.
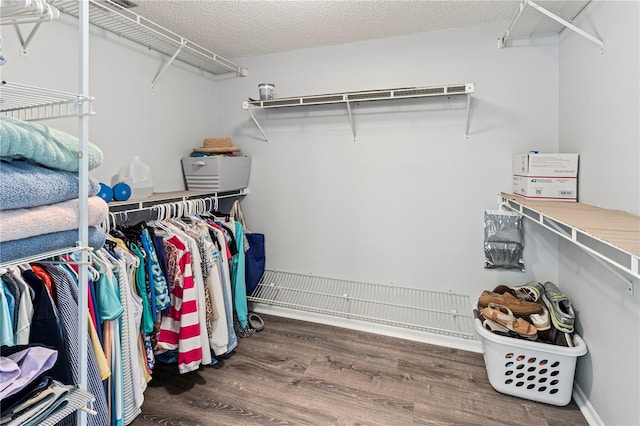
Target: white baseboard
{"x":385,"y":330}
{"x":585,"y":406}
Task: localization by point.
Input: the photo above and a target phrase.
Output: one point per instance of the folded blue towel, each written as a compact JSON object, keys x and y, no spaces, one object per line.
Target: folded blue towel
{"x":24,"y":184}
{"x":44,"y":145}
{"x":32,"y":246}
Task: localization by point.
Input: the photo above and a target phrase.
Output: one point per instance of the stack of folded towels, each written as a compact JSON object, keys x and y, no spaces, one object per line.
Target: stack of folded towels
{"x":39,"y":204}
{"x":533,"y":311}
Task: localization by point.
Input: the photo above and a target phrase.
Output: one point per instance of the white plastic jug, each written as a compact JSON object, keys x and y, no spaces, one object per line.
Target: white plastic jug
{"x":137,"y":175}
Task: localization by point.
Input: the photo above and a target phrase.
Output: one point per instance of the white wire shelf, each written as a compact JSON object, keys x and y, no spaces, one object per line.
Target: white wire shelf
{"x":349,"y":98}
{"x":76,"y":399}
{"x":611,"y":237}
{"x":125,"y":23}
{"x":43,"y":256}
{"x":145,"y":209}
{"x":431,"y":312}
{"x":30,"y":103}
{"x":362,"y":96}
{"x":545,"y":17}
{"x":169,"y":197}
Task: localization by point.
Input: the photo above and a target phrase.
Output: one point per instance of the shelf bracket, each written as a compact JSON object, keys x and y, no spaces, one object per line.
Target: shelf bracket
{"x":594,"y":255}
{"x":503,"y":40}
{"x":567,"y":24}
{"x":253,"y":117}
{"x":25,"y":42}
{"x":466,"y":126}
{"x":169,"y":62}
{"x":351,"y":120}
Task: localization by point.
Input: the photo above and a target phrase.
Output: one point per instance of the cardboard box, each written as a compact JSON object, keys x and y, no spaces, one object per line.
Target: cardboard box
{"x":545,"y":165}
{"x":548,"y":188}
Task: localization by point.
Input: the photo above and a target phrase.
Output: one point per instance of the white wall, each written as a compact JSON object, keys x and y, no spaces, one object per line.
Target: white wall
{"x":404,"y":203}
{"x":599,"y":118}
{"x":160,"y":124}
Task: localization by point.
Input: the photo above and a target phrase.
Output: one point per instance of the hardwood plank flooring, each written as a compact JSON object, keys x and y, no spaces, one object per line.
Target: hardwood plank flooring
{"x":302,"y":373}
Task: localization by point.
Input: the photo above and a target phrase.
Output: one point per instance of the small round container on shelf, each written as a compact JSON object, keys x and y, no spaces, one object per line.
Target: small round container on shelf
{"x":266,"y":90}
{"x":533,"y":370}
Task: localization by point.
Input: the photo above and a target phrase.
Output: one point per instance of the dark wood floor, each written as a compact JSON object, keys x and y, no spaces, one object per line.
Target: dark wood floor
{"x":303,"y":373}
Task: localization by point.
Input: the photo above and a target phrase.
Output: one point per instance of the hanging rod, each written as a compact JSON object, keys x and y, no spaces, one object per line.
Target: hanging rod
{"x":175,"y":196}
{"x":181,"y":201}
{"x":177,"y":209}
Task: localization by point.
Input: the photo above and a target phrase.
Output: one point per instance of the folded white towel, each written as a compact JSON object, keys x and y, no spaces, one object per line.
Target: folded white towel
{"x":23,"y":223}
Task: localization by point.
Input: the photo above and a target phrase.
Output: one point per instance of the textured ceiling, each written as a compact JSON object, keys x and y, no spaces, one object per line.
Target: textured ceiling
{"x":254,"y":27}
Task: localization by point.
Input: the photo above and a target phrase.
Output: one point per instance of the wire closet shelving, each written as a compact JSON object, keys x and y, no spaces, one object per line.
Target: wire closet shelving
{"x":30,"y":103}
{"x":440,"y":313}
{"x":611,"y":237}
{"x":354,"y":98}
{"x":118,"y":20}
{"x":546,"y":17}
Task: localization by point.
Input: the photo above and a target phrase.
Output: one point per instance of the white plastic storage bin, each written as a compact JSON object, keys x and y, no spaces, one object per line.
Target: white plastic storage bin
{"x":216,"y":174}
{"x":533,"y":370}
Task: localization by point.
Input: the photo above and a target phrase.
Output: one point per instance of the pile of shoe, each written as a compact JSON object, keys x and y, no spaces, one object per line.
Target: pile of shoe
{"x":533,"y":311}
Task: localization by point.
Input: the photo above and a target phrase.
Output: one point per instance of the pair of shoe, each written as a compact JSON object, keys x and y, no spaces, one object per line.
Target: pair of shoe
{"x":517,"y":306}
{"x":500,"y":318}
{"x":562,"y":315}
{"x":530,"y":293}
{"x":558,"y":338}
{"x":556,"y":307}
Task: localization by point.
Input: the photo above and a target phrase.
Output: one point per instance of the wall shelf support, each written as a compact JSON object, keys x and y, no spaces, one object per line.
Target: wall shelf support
{"x":166,"y":65}
{"x":24,"y":43}
{"x":603,"y":261}
{"x":351,"y":121}
{"x":466,"y":126}
{"x":566,"y":24}
{"x":503,"y":40}
{"x":253,"y":117}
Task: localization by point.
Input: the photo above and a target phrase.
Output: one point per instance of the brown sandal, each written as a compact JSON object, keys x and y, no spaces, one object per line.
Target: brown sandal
{"x":503,"y":316}
{"x":515,"y":305}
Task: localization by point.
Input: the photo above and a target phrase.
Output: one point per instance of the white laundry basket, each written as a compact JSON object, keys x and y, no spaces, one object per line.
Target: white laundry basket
{"x":533,"y":370}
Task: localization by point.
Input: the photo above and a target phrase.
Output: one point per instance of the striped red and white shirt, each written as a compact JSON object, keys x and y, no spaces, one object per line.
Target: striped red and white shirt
{"x":180,"y":329}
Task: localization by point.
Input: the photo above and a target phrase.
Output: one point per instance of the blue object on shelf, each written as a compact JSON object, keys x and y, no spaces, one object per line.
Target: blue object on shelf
{"x":121,"y":191}
{"x":106,"y":193}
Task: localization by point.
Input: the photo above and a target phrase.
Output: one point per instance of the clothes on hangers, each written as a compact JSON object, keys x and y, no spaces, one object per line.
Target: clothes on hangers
{"x":165,"y":291}
{"x":67,"y":303}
